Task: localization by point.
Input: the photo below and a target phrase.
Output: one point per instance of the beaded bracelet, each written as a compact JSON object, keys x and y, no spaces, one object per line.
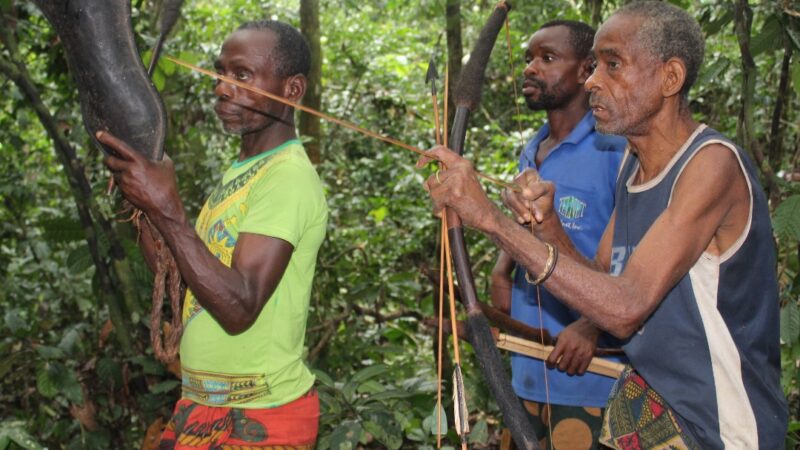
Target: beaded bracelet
{"x":549,"y":265}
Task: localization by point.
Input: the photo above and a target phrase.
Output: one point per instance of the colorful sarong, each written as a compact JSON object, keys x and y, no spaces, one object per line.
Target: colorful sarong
{"x":638,"y":418}
{"x":292,"y":426}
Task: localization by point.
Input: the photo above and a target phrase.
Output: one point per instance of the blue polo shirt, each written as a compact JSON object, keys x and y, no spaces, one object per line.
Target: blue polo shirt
{"x":584,"y":169}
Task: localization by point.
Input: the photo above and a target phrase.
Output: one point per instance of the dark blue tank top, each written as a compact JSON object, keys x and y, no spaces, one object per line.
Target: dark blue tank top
{"x":711,"y":347}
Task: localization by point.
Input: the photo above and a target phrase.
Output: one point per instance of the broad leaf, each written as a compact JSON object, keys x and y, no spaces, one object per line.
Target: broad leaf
{"x":429,"y":424}
{"x":346,"y":436}
{"x":786,"y":219}
{"x":62,"y":229}
{"x":796,"y":75}
{"x":790,"y":322}
{"x":770,"y":34}
{"x":369,"y":372}
{"x":14,"y":432}
{"x":46,"y":383}
{"x":164,"y":386}
{"x":80,"y":259}
{"x":479,"y":433}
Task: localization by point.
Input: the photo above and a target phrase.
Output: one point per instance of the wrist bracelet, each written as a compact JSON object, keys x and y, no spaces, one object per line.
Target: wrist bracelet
{"x":549,"y":265}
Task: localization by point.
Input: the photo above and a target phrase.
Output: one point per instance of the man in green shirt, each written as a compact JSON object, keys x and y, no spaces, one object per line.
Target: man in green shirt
{"x":249,"y":261}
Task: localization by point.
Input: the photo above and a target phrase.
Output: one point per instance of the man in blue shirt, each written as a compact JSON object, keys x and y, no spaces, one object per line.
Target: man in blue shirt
{"x":583,"y":164}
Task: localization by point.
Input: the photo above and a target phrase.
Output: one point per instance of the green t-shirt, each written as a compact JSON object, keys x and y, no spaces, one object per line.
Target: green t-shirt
{"x":278,"y":194}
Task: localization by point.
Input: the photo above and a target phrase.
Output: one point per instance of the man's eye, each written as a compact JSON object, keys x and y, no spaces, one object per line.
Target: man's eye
{"x":242,"y":76}
{"x":548,"y":58}
{"x":613,"y":64}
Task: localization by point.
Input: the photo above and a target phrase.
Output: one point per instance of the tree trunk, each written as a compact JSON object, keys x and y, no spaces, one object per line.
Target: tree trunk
{"x":784,"y":93}
{"x":455,"y":48}
{"x":745,"y":130}
{"x":310,"y":126}
{"x":596,"y":10}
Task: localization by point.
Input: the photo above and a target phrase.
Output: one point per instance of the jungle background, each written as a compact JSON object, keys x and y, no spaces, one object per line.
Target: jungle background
{"x":76,"y":367}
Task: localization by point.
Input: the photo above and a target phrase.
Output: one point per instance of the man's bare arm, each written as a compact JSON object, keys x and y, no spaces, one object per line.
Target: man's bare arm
{"x":233,"y":295}
{"x":709,"y":197}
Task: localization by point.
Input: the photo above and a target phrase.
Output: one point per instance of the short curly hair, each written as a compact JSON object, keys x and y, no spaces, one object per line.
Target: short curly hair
{"x":666,"y":32}
{"x":581,"y":35}
{"x":292,"y":53}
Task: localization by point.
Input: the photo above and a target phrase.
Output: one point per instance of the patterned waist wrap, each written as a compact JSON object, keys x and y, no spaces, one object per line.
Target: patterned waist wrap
{"x":222,"y":389}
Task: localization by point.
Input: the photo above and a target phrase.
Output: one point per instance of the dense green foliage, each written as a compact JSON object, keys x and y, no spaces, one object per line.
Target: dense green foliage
{"x":65,"y":382}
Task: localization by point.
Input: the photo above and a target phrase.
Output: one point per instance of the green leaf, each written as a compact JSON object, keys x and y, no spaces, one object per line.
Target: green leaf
{"x":46,"y":383}
{"x":166,"y":66}
{"x":14,"y":431}
{"x":479,"y":434}
{"x":796,"y":75}
{"x":323,"y":378}
{"x":392,"y":394}
{"x":69,"y":341}
{"x":794,"y":36}
{"x":714,"y":26}
{"x":370,"y":387}
{"x":786,"y":219}
{"x":159,"y":80}
{"x":62,"y":229}
{"x":329,"y":403}
{"x":765,"y":40}
{"x":70,"y":387}
{"x":80,"y":259}
{"x":48,"y":352}
{"x":346,"y":436}
{"x":370,"y":372}
{"x":109,"y":372}
{"x":712,"y":71}
{"x":384,"y":432}
{"x":429,"y":424}
{"x":191,"y":57}
{"x":790,"y":323}
{"x":378,"y":214}
{"x":149,"y":365}
{"x":164,"y":386}
{"x":7,"y":363}
{"x":53,"y":379}
{"x":14,"y":322}
{"x":91,"y":440}
{"x":349,"y":390}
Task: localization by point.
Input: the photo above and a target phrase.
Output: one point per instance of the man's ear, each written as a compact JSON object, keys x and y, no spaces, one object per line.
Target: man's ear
{"x":673,"y":74}
{"x":586,"y":69}
{"x":295,"y":87}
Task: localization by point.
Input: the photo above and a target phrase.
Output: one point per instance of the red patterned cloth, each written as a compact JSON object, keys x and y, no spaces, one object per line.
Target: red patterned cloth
{"x":637,"y":418}
{"x":292,"y":426}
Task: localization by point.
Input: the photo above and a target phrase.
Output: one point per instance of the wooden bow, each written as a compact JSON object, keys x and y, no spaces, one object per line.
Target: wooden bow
{"x":467,"y":97}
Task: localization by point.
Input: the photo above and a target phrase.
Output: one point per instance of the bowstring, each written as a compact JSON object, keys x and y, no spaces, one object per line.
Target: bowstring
{"x":538,"y":290}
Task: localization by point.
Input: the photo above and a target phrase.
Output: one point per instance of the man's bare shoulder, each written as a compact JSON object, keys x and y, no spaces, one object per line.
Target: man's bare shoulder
{"x":713,"y":189}
{"x":712,"y":169}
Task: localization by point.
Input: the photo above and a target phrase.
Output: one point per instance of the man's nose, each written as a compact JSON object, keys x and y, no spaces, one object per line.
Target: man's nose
{"x":592,"y":83}
{"x":532,"y":68}
{"x":223,"y":90}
